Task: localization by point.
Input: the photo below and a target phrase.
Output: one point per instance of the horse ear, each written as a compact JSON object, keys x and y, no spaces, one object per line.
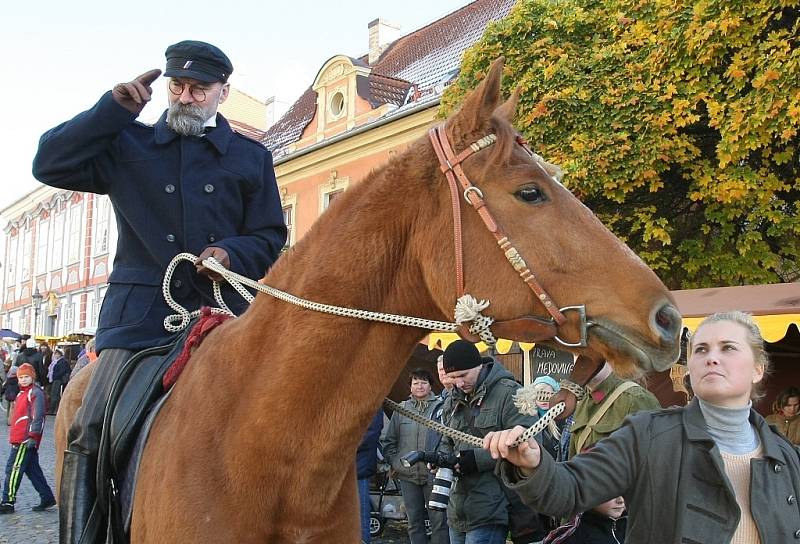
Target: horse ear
{"x":480,"y":104}
{"x":508,"y":109}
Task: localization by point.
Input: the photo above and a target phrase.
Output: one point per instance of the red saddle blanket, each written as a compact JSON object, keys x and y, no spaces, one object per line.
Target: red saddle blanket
{"x":207,"y":322}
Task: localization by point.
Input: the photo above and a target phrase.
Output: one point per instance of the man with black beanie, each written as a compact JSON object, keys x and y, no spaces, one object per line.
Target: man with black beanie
{"x":482,"y":401}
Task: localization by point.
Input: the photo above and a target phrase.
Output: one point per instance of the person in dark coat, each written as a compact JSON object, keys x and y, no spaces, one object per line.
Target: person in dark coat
{"x":30,"y":354}
{"x":711,"y":472}
{"x":366,"y":467}
{"x":604,"y":524}
{"x":59,"y":379}
{"x":10,"y":390}
{"x":187,"y":184}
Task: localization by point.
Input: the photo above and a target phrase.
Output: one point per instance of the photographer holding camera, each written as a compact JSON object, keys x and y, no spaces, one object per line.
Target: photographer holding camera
{"x":481,"y":402}
{"x":404,"y":437}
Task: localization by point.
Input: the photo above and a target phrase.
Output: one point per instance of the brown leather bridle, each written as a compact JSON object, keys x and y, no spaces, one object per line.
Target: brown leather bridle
{"x":524,"y":329}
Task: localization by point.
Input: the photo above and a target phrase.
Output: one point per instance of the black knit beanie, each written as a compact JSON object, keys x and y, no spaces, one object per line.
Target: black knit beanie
{"x":462,"y":355}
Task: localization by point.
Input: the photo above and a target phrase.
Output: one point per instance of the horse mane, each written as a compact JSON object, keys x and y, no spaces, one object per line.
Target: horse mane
{"x":372,"y":214}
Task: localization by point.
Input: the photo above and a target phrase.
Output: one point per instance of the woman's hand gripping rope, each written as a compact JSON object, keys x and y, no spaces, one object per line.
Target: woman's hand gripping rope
{"x":506,"y":445}
{"x":518,"y":445}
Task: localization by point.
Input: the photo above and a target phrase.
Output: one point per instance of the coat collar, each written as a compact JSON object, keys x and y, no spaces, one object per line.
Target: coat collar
{"x":220,"y":137}
{"x":696,"y":431}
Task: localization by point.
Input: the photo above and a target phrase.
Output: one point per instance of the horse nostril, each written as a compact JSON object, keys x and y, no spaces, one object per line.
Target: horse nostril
{"x":668,"y":322}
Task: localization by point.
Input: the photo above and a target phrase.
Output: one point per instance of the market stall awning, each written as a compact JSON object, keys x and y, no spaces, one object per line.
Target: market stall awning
{"x":8,"y":333}
{"x":440,"y":340}
{"x":775,"y":308}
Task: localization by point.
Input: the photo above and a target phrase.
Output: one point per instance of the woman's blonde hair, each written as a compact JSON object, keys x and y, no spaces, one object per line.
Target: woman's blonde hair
{"x":754,"y":340}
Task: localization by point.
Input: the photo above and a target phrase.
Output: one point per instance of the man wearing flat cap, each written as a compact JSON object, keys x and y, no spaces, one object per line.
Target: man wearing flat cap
{"x":186,"y":184}
{"x":481,"y":401}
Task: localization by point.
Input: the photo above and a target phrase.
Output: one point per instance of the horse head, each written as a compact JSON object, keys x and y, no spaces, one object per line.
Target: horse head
{"x":568,"y":253}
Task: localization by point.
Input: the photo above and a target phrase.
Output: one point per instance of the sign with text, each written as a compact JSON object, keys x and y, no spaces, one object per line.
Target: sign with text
{"x":551,"y":362}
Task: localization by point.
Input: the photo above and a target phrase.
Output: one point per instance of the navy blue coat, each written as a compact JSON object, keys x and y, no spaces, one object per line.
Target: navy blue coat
{"x":367,"y":453}
{"x":170,"y":194}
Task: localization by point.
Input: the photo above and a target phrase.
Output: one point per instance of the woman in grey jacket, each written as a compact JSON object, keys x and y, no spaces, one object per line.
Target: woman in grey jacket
{"x":711,"y":472}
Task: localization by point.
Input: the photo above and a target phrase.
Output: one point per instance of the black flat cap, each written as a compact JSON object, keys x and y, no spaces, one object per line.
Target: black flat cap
{"x":197,"y":60}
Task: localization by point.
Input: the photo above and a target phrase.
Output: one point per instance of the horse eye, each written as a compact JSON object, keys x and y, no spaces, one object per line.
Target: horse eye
{"x":530,"y":194}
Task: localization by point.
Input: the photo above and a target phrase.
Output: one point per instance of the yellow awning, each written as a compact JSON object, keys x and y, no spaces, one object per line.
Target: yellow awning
{"x":440,"y":340}
{"x":42,"y":338}
{"x":773,"y":327}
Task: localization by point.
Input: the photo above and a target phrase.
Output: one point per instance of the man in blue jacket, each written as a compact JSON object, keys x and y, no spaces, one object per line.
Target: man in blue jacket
{"x":187,"y":184}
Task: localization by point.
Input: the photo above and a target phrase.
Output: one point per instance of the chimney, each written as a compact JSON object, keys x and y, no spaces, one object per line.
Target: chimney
{"x":381,"y":34}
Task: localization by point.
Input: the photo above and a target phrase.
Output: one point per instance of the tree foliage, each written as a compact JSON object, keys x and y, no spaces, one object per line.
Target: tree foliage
{"x":676,"y":122}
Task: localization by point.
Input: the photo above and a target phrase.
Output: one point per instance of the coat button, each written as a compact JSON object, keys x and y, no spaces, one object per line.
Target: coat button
{"x":797,"y":533}
{"x":212,"y":238}
{"x":777,"y":468}
{"x":170,"y":237}
{"x":169,"y":188}
{"x":791,"y":499}
{"x":208,"y":188}
{"x":177,"y":284}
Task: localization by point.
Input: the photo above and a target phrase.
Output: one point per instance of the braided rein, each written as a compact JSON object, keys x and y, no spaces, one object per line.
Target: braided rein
{"x":476,"y":441}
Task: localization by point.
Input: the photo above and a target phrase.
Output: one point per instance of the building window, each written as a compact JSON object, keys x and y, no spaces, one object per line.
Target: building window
{"x":57,"y":254}
{"x":330,"y":196}
{"x":26,"y":255}
{"x":74,"y":254}
{"x":69,"y":317}
{"x":331,"y":189}
{"x":101,"y":224}
{"x":42,"y":235}
{"x":337,"y":104}
{"x":95,"y":313}
{"x":288,"y":219}
{"x":25,"y":323}
{"x":11,"y":279}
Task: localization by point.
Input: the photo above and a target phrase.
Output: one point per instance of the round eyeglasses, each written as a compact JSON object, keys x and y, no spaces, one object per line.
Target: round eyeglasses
{"x":176,"y":87}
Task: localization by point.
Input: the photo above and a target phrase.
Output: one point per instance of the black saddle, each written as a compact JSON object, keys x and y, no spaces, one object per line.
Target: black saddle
{"x":136,"y":391}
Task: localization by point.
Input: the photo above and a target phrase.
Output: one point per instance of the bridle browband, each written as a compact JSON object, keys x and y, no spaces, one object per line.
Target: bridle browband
{"x":528,"y":328}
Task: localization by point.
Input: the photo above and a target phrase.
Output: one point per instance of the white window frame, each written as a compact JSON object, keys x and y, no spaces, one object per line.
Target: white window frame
{"x":27,"y":241}
{"x":59,"y":222}
{"x":102,"y":207}
{"x":42,"y":246}
{"x":290,"y":203}
{"x":334,"y":185}
{"x":75,"y":223}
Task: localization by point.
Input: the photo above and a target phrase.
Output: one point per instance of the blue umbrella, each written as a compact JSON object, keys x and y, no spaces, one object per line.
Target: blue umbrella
{"x":8,"y":333}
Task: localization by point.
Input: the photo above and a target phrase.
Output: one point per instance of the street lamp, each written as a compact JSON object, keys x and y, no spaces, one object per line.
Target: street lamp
{"x":37,"y":301}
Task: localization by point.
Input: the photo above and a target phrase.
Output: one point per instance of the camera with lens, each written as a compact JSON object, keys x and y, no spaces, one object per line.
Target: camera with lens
{"x":443,"y":480}
{"x":435,"y":458}
{"x":442,"y":485}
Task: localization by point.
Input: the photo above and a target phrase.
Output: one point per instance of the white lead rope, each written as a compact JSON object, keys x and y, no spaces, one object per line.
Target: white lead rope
{"x":468,"y":309}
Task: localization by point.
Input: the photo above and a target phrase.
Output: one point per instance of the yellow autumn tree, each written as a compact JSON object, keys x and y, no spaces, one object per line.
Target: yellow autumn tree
{"x":675,"y":121}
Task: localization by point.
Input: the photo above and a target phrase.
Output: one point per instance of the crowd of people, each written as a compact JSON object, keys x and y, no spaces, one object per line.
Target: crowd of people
{"x":33,"y":379}
{"x":604,"y":474}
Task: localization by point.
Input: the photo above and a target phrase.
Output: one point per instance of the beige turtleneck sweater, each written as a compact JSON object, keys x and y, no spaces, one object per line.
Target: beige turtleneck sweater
{"x":737,"y":468}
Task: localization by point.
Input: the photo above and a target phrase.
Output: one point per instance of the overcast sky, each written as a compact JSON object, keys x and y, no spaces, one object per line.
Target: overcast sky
{"x":59,"y":57}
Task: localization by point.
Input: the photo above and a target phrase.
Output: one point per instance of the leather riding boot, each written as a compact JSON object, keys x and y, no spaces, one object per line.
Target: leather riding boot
{"x":76,"y":496}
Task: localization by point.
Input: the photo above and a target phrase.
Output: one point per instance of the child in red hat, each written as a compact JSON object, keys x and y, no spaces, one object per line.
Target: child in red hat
{"x":27,"y":425}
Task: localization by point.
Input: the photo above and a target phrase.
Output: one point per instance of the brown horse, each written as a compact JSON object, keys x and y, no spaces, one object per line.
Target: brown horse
{"x":272,"y":457}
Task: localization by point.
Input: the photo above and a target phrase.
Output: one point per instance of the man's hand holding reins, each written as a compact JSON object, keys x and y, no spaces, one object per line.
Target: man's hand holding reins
{"x":134,"y":95}
{"x":526,"y":456}
{"x":220,"y":255}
